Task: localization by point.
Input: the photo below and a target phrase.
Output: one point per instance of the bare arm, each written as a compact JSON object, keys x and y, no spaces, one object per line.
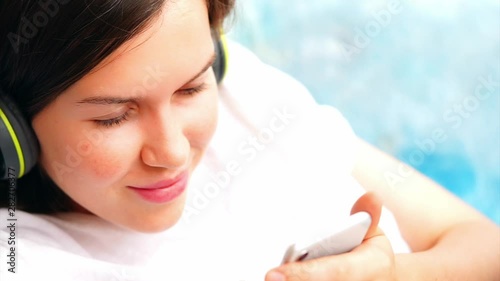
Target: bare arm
{"x":450,"y":240}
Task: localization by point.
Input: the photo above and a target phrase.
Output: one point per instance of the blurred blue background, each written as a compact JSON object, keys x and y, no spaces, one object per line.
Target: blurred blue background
{"x":418,"y":79}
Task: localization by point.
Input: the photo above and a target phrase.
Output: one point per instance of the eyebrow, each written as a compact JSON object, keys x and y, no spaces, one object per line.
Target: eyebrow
{"x":100,"y":100}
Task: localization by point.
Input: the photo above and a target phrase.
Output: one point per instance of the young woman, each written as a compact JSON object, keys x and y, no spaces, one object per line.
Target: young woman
{"x":150,"y":170}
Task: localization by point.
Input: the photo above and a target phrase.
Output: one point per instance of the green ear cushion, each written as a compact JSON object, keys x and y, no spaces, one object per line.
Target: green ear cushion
{"x":18,"y":143}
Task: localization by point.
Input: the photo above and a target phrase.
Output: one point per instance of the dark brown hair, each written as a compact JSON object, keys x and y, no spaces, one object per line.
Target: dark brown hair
{"x":48,"y":45}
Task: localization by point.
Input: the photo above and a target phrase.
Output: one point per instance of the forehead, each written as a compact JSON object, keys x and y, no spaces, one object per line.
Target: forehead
{"x":175,"y":42}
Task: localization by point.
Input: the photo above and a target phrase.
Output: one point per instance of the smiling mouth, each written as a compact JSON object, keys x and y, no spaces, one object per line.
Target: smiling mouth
{"x":164,"y":191}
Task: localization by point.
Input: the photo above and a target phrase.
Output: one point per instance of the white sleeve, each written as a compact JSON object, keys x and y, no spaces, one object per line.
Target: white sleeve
{"x":317,"y":135}
{"x":261,"y":90}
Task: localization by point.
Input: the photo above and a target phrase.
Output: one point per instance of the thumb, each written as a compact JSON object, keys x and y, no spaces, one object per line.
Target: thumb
{"x":371,"y":204}
{"x":327,"y":267}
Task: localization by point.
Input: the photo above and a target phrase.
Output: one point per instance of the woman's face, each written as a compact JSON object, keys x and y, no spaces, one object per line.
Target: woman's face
{"x":123,"y":140}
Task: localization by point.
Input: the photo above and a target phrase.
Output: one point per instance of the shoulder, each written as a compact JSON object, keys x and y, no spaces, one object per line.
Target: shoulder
{"x":270,"y":99}
{"x":254,"y":82}
{"x":34,"y":245}
{"x":316,"y":146}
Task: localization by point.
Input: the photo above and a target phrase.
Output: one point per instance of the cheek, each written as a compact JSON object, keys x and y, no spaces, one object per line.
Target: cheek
{"x":78,"y":161}
{"x":203,"y":123}
{"x":113,"y":158}
{"x":104,"y":165}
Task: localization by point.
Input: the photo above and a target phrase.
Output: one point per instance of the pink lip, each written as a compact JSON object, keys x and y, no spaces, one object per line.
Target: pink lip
{"x":163,"y":191}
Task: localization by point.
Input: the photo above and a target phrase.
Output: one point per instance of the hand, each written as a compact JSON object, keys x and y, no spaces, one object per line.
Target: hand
{"x":372,"y":260}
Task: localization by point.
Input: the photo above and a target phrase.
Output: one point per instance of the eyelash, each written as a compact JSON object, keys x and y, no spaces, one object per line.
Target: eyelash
{"x":113,"y":121}
{"x":192,"y":91}
{"x":124,"y":117}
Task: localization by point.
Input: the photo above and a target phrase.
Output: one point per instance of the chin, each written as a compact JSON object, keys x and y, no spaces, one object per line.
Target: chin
{"x":153,"y":228}
{"x":160,"y":221}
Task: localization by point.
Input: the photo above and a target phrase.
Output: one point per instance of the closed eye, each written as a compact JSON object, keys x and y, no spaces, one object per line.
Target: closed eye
{"x":113,"y":121}
{"x":193,"y":90}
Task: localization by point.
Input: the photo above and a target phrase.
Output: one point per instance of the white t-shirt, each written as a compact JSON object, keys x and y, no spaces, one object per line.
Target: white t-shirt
{"x":277,"y":169}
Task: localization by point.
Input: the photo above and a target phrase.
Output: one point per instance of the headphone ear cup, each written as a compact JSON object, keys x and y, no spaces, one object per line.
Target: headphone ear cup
{"x":220,"y":64}
{"x":18,"y":143}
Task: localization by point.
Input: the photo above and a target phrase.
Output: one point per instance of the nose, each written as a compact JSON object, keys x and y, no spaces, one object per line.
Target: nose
{"x":165,"y":145}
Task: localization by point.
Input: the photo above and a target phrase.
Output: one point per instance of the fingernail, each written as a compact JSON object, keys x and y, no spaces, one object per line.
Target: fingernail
{"x":275,"y":276}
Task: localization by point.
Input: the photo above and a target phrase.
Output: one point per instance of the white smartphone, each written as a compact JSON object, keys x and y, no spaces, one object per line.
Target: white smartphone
{"x":331,"y":241}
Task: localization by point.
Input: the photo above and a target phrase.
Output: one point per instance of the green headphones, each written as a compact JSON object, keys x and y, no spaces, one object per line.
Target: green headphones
{"x":220,"y":64}
{"x":18,"y":144}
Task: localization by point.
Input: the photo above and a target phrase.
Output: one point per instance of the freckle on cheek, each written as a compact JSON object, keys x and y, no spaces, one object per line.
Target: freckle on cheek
{"x":105,"y":169}
{"x":84,"y":148}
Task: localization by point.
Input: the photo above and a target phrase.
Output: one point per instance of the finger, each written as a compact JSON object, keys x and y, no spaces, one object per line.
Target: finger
{"x":371,"y":204}
{"x":331,"y":268}
{"x":372,"y":260}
